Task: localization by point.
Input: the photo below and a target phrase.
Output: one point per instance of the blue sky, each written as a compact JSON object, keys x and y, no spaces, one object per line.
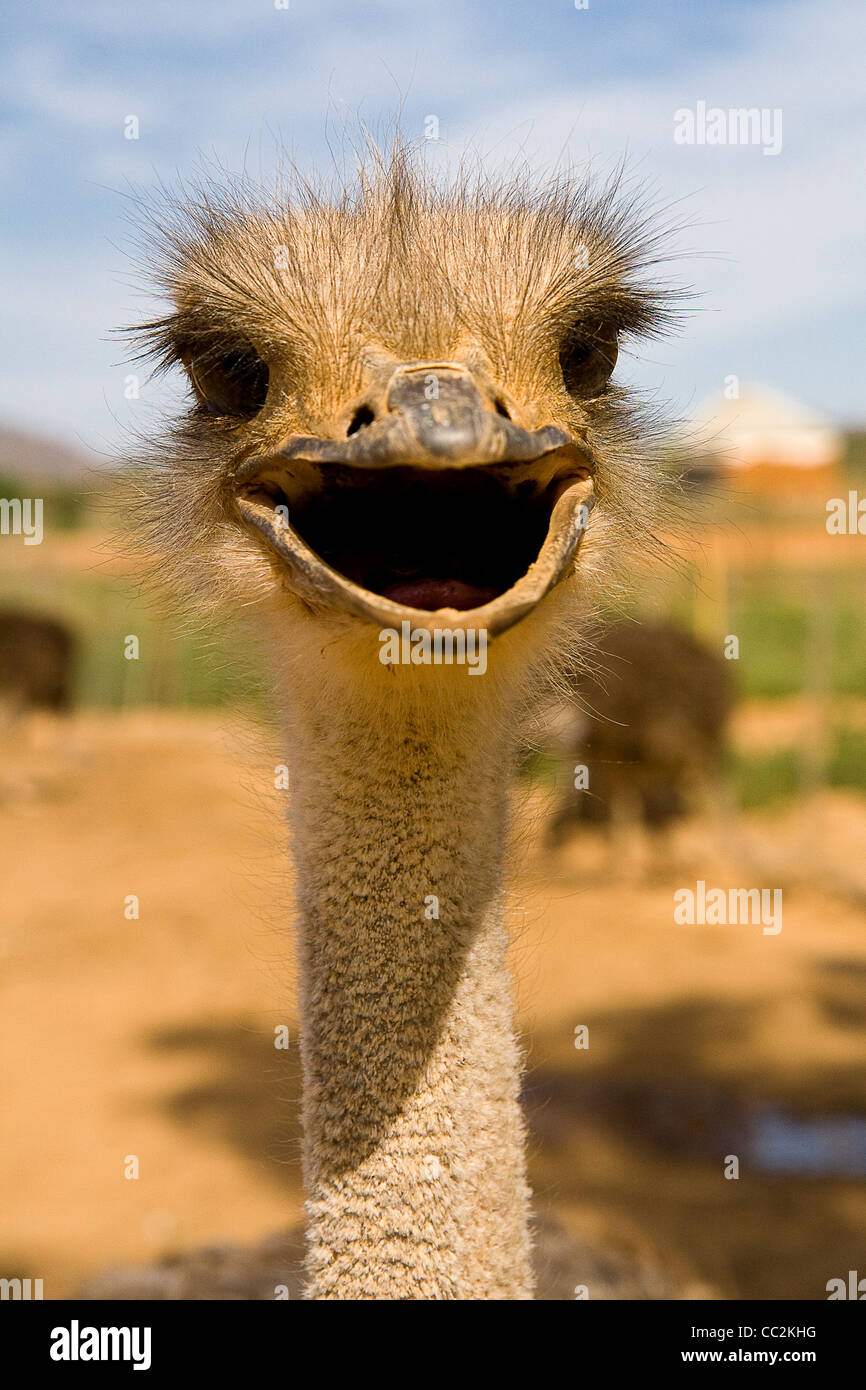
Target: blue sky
{"x":775,"y":243}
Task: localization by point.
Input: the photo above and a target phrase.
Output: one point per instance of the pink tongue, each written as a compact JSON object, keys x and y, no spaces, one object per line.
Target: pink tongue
{"x":431,"y":594}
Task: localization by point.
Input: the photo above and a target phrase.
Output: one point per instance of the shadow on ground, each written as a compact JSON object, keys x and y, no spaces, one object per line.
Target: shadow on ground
{"x":748,"y":1184}
{"x":250,"y":1099}
{"x":635,"y":1147}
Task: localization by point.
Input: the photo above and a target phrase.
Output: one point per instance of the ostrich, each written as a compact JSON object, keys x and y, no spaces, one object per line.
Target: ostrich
{"x":649,"y":724}
{"x":403,"y":437}
{"x":37,"y":656}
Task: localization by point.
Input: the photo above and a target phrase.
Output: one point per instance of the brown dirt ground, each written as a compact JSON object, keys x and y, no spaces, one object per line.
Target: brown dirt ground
{"x":154,"y":1037}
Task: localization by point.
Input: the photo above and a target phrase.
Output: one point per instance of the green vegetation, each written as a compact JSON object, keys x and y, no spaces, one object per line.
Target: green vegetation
{"x":64,"y":508}
{"x":787,"y":621}
{"x":190,"y":667}
{"x":855,"y":457}
{"x":848,"y":761}
{"x":760,"y":780}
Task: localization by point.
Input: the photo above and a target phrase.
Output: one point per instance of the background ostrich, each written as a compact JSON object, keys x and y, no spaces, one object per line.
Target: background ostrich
{"x":648,"y":722}
{"x":37,"y":656}
{"x":403,"y":412}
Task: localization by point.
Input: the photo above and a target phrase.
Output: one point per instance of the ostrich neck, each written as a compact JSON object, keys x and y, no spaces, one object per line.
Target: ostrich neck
{"x":413,"y":1149}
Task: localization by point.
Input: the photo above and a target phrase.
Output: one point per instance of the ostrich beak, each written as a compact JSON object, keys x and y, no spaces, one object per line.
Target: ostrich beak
{"x":435,"y":506}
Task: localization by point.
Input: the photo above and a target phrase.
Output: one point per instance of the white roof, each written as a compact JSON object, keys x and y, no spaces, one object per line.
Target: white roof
{"x":764,"y":426}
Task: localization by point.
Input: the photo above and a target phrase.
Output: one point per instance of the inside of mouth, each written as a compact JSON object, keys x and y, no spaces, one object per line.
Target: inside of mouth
{"x":424,"y":538}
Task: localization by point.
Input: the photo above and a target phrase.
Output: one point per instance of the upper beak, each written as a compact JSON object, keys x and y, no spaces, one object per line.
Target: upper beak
{"x":432,"y":416}
{"x":427,"y":417}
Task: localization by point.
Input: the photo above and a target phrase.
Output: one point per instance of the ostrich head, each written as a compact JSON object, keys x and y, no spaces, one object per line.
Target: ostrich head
{"x":401,"y":400}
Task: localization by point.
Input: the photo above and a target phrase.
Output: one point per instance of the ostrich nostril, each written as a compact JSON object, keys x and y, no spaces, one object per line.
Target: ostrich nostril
{"x":502,"y":408}
{"x":359,"y":421}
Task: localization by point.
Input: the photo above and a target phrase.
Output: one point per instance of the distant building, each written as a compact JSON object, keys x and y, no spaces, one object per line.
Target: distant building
{"x":764,"y":441}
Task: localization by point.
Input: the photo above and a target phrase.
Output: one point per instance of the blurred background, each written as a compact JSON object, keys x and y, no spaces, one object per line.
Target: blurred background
{"x":146,"y":960}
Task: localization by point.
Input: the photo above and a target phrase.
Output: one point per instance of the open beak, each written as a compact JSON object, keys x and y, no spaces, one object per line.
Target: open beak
{"x":435,"y":507}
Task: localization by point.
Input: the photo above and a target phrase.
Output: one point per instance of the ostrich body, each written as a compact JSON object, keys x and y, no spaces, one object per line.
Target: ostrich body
{"x":402,"y":413}
{"x":37,"y":656}
{"x":649,"y":725}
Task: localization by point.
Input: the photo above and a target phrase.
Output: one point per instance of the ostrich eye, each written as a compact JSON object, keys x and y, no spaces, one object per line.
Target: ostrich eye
{"x":233,"y":383}
{"x":587,"y":360}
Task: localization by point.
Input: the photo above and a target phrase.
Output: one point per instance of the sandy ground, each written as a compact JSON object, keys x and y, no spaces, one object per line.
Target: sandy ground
{"x":154,"y":1037}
